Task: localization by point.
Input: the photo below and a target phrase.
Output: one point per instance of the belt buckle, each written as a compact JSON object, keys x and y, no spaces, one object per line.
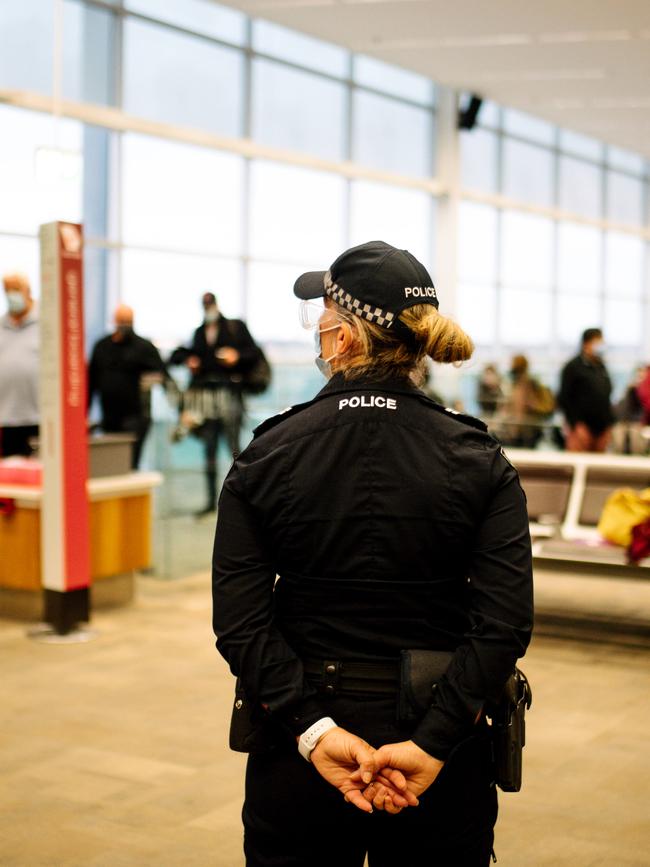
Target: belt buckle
{"x":331,"y":675}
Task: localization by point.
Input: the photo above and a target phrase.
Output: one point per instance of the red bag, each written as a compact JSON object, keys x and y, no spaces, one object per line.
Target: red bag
{"x":639,"y":547}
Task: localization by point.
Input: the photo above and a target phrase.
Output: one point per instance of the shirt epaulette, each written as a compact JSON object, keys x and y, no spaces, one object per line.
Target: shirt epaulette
{"x":280,"y":417}
{"x":458,"y":416}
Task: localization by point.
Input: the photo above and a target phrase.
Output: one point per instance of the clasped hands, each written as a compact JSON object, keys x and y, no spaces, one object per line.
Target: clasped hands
{"x":390,"y":778}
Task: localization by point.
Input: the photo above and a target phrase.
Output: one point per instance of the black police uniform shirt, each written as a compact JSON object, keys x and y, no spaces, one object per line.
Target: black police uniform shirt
{"x":392,"y":524}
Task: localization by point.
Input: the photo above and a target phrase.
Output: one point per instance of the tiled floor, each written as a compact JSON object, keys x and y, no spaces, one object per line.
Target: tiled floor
{"x":113,"y":753}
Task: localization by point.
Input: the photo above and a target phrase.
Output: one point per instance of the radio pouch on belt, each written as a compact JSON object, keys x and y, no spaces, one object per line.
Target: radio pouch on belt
{"x":420,"y":670}
{"x":252,"y":730}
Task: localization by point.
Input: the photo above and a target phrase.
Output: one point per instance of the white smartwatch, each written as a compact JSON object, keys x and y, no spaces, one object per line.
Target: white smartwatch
{"x":309,"y":738}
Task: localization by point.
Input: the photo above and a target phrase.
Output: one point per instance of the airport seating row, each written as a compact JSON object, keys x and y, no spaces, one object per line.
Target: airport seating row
{"x":566,"y":493}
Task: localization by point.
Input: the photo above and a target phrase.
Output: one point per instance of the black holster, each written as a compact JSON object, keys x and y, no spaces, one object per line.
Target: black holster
{"x":509,"y":731}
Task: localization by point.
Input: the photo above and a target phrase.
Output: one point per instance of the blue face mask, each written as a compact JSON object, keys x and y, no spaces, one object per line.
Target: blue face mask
{"x":324,"y":364}
{"x":16,"y":302}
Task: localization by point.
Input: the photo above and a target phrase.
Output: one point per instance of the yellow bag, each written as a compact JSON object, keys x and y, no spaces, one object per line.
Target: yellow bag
{"x":624,"y":509}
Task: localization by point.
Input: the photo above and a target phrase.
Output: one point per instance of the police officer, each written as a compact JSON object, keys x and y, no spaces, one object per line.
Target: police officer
{"x":394,"y":527}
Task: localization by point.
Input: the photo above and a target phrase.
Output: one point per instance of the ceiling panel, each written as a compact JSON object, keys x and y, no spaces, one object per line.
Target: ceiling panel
{"x":583,"y":64}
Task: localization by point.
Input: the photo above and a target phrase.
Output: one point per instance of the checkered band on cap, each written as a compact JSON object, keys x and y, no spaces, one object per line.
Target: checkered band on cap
{"x":366,"y":311}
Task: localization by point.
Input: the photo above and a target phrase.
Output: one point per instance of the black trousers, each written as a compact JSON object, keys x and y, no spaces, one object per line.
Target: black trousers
{"x":15,"y":440}
{"x":211,"y":432}
{"x":294,"y":818}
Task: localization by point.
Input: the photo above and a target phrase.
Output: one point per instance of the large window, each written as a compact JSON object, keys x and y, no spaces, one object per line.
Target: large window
{"x":479,"y":160}
{"x":391,"y":135}
{"x":527,"y":172}
{"x":201,"y":16}
{"x":262,"y":151}
{"x":548,"y":263}
{"x":580,"y":187}
{"x":296,"y":215}
{"x":41,"y":170}
{"x":181,"y":79}
{"x":197,"y":208}
{"x":379,"y":212}
{"x":27,"y":45}
{"x":317,"y":127}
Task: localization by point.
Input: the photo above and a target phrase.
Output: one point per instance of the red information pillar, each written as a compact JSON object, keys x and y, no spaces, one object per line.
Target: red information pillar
{"x":65,"y":557}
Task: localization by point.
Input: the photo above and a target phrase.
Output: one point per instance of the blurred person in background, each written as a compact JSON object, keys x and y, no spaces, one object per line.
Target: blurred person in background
{"x":19,"y":368}
{"x":122,"y":368}
{"x":635,"y":404}
{"x":585,"y":396}
{"x":632,"y":413}
{"x":220,"y":355}
{"x":490,"y":390}
{"x":526,"y":405}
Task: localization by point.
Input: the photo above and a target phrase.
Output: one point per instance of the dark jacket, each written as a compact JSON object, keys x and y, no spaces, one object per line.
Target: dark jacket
{"x":230,"y":332}
{"x":114,"y":373}
{"x":584,"y":396}
{"x":393,"y":524}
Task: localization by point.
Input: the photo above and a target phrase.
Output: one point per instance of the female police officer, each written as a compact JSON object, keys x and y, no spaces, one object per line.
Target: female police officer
{"x":395,"y":527}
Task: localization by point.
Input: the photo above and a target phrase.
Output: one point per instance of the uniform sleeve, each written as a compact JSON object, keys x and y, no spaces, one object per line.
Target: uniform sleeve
{"x":247,"y":637}
{"x":501,"y":617}
{"x":154,"y":361}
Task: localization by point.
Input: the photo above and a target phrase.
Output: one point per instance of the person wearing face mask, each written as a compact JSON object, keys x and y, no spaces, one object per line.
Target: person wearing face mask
{"x":122,"y":367}
{"x":367,"y":541}
{"x":585,"y":397}
{"x":220,"y":354}
{"x":19,"y":362}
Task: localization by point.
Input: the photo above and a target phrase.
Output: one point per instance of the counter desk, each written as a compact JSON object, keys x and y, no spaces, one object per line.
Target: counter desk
{"x":120,"y":540}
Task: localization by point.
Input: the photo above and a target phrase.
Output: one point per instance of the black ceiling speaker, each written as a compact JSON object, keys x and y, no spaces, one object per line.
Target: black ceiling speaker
{"x":467,"y":116}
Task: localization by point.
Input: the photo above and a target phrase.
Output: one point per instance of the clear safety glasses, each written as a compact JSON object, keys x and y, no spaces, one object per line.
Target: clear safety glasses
{"x":311,"y":313}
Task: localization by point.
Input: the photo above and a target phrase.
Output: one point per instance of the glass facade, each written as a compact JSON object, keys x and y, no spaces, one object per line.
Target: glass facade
{"x":555,"y":241}
{"x":569,"y":263}
{"x":168,"y":218}
{"x":208,"y":151}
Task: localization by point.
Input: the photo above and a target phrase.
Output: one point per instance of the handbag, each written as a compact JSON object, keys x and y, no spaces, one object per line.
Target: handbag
{"x":625,"y":509}
{"x":257,"y":378}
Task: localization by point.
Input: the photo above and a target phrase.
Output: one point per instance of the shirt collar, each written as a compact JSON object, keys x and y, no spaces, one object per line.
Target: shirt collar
{"x":397,"y":384}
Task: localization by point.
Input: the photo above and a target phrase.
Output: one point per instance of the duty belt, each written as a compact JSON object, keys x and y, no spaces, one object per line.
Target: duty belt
{"x":332,"y":676}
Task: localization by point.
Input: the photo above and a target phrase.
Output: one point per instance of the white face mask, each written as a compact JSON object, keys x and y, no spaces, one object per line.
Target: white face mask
{"x":16,"y":302}
{"x":324,"y":364}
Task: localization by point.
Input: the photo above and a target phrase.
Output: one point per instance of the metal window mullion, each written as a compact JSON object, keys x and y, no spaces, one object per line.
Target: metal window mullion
{"x":348,"y":149}
{"x":116,"y":161}
{"x":604,"y":207}
{"x":555,"y":287}
{"x":645,"y":336}
{"x":498,"y":286}
{"x":245,"y":257}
